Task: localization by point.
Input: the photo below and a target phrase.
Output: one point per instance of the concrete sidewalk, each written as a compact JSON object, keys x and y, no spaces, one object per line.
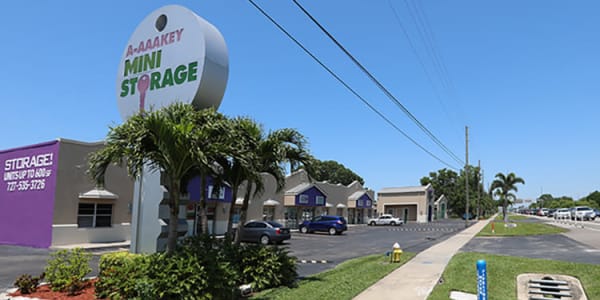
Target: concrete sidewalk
{"x":417,"y":278}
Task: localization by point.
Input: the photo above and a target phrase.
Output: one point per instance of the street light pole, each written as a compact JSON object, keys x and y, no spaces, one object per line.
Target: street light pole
{"x":467,"y":175}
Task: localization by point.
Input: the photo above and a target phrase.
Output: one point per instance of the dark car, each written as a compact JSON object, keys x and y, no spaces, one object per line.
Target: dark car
{"x":470,"y":216}
{"x":331,"y":224}
{"x":597,"y":212}
{"x":264,"y":232}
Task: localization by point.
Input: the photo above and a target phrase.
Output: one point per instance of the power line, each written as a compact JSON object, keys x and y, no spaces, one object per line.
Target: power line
{"x":332,"y":73}
{"x":420,"y":60}
{"x":381,"y":86}
{"x":428,"y":39}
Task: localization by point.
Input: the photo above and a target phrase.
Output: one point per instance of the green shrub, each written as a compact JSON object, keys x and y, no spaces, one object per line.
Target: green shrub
{"x":28,"y":284}
{"x":201,"y":267}
{"x":177,"y":277}
{"x":266,"y":267}
{"x":66,"y":270}
{"x":120,"y":274}
{"x":215,"y":256}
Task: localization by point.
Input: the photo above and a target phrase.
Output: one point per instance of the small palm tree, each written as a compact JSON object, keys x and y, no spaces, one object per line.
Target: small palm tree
{"x":236,"y":168}
{"x":502,"y":187}
{"x":169,"y":141}
{"x":269,"y":156}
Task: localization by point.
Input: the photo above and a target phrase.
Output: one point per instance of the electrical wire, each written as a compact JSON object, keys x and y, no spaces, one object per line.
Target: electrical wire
{"x":381,"y":86}
{"x":340,"y":80}
{"x":421,"y":62}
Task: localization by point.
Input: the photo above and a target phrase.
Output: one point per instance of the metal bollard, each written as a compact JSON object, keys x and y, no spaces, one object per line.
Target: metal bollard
{"x":482,"y":280}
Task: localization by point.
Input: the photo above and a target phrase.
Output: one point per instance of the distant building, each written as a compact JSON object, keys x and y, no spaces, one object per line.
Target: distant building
{"x":412,"y":204}
{"x":441,"y":208}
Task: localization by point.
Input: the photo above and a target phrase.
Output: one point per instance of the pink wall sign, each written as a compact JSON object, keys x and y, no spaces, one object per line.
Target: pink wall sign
{"x":27,"y":190}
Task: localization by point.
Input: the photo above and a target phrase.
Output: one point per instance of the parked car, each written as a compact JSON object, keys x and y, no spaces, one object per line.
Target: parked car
{"x":597,"y":212}
{"x":470,"y":216}
{"x":386,"y":219}
{"x":264,"y":232}
{"x":331,"y":224}
{"x":551,"y":212}
{"x":582,"y":213}
{"x":562,"y":213}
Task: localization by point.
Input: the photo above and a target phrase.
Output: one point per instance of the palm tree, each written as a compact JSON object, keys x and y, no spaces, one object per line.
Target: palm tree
{"x":169,"y":141}
{"x":502,"y":187}
{"x":270,"y":154}
{"x":236,"y":168}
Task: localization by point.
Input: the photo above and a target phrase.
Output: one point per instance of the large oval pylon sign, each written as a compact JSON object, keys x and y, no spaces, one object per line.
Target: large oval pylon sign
{"x":172,"y":56}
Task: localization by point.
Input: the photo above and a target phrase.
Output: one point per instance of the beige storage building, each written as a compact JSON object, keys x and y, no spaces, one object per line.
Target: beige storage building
{"x":412,"y":204}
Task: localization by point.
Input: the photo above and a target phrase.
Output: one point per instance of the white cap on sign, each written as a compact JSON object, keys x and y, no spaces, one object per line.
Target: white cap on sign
{"x":172,"y":56}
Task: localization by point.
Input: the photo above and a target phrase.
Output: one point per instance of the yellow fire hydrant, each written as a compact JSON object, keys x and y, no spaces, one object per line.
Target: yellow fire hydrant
{"x":396,"y":253}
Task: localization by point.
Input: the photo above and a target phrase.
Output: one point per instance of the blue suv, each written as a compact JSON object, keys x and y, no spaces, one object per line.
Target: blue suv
{"x":331,"y":224}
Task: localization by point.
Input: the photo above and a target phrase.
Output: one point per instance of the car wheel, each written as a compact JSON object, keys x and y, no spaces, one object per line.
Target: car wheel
{"x":393,"y":223}
{"x":304,"y":229}
{"x":372,"y":223}
{"x":265,"y":240}
{"x":332,"y":231}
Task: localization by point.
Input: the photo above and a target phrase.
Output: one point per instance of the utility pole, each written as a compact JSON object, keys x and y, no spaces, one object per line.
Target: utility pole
{"x":478,"y":189}
{"x":467,"y":175}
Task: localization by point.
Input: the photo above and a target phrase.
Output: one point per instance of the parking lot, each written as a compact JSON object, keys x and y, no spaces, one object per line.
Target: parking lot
{"x":315,"y":252}
{"x":318,"y":251}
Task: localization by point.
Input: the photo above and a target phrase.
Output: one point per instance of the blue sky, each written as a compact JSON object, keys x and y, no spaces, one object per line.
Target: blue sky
{"x":524,"y":78}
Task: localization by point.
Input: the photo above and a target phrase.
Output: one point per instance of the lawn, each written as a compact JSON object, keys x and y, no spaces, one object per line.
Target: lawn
{"x":345,"y":281}
{"x":512,"y":217}
{"x":461,"y":275}
{"x":520,"y":229}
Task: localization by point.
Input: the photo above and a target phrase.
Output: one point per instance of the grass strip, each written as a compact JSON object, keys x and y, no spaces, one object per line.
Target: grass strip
{"x":461,"y":275}
{"x":512,"y":217}
{"x":520,"y":229}
{"x":345,"y":281}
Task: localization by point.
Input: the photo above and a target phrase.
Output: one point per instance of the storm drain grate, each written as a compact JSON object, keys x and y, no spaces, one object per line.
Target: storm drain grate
{"x":549,"y":287}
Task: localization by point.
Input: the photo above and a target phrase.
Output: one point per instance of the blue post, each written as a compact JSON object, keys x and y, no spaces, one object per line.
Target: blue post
{"x":482,"y":280}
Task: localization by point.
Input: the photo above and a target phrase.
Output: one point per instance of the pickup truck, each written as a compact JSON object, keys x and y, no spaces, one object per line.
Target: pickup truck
{"x":385,"y":220}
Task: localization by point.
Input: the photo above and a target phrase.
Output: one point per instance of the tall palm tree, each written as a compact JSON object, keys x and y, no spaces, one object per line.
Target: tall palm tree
{"x":236,"y":168}
{"x":168,"y":140}
{"x":270,"y":155}
{"x":502,"y":187}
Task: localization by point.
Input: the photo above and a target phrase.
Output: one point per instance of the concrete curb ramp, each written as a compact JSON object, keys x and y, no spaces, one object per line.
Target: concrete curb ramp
{"x":416,"y":279}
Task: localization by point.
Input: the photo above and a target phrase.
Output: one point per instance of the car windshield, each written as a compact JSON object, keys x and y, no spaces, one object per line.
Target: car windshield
{"x":583,"y":208}
{"x":275,"y":224}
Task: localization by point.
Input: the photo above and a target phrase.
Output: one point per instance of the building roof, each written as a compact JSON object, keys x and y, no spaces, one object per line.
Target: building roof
{"x":271,"y":202}
{"x":299,"y":189}
{"x":442,"y":197}
{"x":406,"y":189}
{"x":98,"y":193}
{"x":357,"y":195}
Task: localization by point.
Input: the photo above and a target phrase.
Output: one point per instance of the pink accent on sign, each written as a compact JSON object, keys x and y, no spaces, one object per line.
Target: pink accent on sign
{"x":142,"y":86}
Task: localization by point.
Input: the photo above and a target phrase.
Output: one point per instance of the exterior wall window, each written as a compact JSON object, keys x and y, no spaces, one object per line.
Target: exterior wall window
{"x":360,"y":203}
{"x":320,"y":200}
{"x":368,"y":204}
{"x":303,"y":199}
{"x":216,"y":194}
{"x":92,"y":215}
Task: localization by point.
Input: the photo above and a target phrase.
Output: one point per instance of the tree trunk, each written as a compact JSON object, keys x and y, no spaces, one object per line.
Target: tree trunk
{"x":229,"y":231}
{"x":504,"y":207}
{"x":173,"y":216}
{"x":243,"y":212}
{"x":203,"y":217}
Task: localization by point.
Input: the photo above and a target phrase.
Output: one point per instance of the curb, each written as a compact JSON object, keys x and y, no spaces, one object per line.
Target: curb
{"x":313,"y":261}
